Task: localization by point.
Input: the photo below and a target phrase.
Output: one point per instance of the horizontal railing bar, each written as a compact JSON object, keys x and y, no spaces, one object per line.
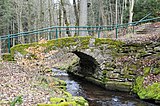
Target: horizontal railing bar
{"x":57,"y":27}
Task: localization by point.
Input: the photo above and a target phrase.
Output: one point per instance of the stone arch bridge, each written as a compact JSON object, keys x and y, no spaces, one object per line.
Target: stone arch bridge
{"x":113,"y":64}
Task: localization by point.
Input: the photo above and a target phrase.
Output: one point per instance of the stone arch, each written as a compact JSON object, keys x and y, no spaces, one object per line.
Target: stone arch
{"x":87,"y":65}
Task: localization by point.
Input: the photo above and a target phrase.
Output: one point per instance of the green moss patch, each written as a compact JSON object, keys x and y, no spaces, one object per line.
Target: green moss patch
{"x":7,"y":57}
{"x":82,"y":42}
{"x":149,"y":92}
{"x":72,"y":101}
{"x":100,"y":41}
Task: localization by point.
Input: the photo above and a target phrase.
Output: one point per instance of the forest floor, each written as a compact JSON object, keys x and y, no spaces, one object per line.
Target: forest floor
{"x":143,"y":33}
{"x":25,"y":79}
{"x":15,"y":82}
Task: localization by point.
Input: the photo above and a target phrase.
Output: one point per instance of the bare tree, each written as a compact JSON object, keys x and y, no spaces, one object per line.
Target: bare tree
{"x":131,"y":5}
{"x":65,"y":17}
{"x":83,"y":16}
{"x":0,"y":50}
{"x":76,"y":12}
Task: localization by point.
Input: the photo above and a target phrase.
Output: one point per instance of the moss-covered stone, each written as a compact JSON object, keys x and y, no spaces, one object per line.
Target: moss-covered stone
{"x":149,"y":92}
{"x":57,"y":100}
{"x":146,"y":70}
{"x":119,"y":86}
{"x":82,"y":42}
{"x":72,"y":101}
{"x":100,"y":41}
{"x":156,"y":71}
{"x":7,"y":57}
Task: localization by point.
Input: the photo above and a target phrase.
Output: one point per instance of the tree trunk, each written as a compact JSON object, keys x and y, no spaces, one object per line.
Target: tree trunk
{"x":19,"y":20}
{"x":131,"y":6}
{"x":50,"y":15}
{"x":60,"y":20}
{"x":122,"y":11}
{"x":50,"y":18}
{"x":29,"y":20}
{"x":76,"y":13}
{"x":83,"y":16}
{"x":65,"y":18}
{"x":116,"y":8}
{"x":0,"y":50}
{"x":41,"y":14}
{"x":102,"y":14}
{"x":111,"y":14}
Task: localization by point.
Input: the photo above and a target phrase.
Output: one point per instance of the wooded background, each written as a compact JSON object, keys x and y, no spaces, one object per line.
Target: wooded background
{"x":26,"y":15}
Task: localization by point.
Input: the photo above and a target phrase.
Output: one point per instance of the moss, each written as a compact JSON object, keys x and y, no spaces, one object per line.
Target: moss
{"x":146,"y":70}
{"x":156,"y":71}
{"x":81,"y":101}
{"x":57,"y":100}
{"x":7,"y":57}
{"x":138,"y":84}
{"x":68,"y":104}
{"x":120,"y":86}
{"x":105,"y":72}
{"x":54,"y":44}
{"x":133,"y":67}
{"x":149,"y":92}
{"x":141,"y":54}
{"x":46,"y":104}
{"x":100,"y":41}
{"x":110,"y":64}
{"x":21,"y":48}
{"x":73,"y":101}
{"x":67,"y":94}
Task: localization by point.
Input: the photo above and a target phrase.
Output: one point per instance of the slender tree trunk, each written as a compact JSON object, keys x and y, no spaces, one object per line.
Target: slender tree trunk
{"x":131,"y":3}
{"x":111,"y":14}
{"x":122,"y":11}
{"x":41,"y":14}
{"x":60,"y":20}
{"x":116,"y":8}
{"x":50,"y":14}
{"x":29,"y":15}
{"x":29,"y":19}
{"x":19,"y":20}
{"x":21,"y":28}
{"x":102,"y":14}
{"x":83,"y":16}
{"x":76,"y":13}
{"x":65,"y":18}
{"x":13,"y":31}
{"x":50,"y":18}
{"x":0,"y":49}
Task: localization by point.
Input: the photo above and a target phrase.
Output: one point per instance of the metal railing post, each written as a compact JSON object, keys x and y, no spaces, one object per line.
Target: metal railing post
{"x":56,"y":33}
{"x":116,"y":31}
{"x":0,"y":48}
{"x":99,"y":30}
{"x":9,"y":43}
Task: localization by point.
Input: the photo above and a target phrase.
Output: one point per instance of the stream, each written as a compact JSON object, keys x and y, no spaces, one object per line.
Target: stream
{"x":96,"y":95}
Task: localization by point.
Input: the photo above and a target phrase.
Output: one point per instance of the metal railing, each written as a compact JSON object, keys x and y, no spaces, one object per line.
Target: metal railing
{"x":55,"y":32}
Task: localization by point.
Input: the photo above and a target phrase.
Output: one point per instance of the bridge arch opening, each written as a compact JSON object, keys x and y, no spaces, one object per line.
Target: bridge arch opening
{"x":87,"y":65}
